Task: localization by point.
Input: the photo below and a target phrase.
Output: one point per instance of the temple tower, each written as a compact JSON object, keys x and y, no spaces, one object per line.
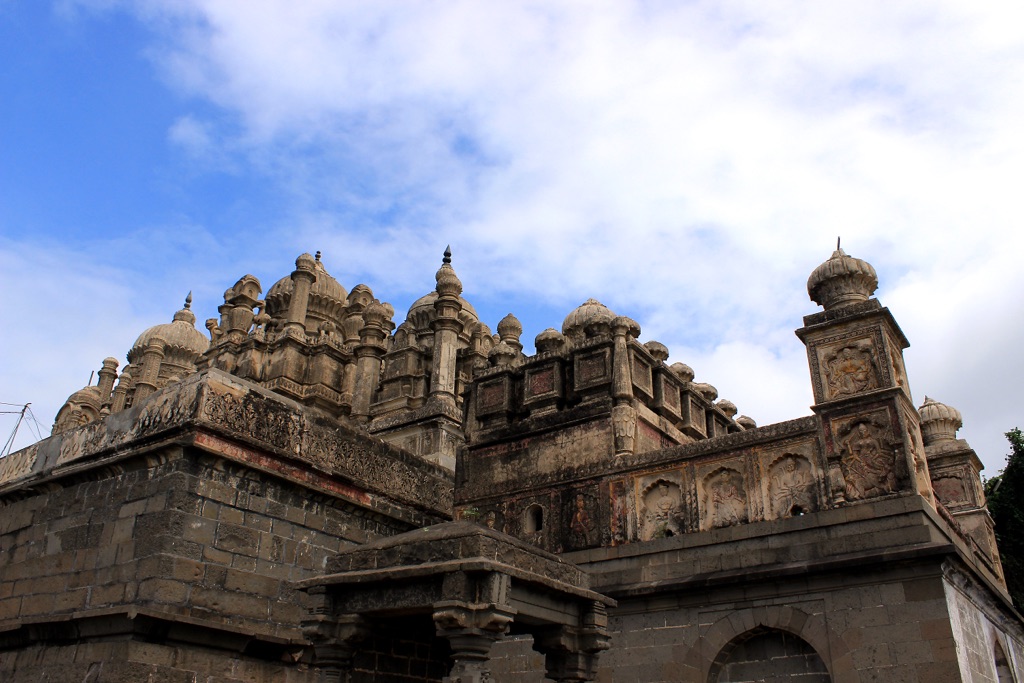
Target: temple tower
{"x":871,"y":430}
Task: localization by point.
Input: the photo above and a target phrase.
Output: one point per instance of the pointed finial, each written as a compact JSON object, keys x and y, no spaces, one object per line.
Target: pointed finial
{"x":188,"y":300}
{"x":317,"y":257}
{"x":447,"y":254}
{"x":838,"y":239}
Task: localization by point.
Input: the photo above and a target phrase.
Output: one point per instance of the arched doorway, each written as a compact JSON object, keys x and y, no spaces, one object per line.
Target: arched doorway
{"x":1003,"y":672}
{"x":768,"y":655}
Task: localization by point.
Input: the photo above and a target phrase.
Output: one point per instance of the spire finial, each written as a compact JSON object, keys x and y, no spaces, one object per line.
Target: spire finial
{"x":188,"y":300}
{"x":838,"y":240}
{"x":317,"y":257}
{"x":447,"y":255}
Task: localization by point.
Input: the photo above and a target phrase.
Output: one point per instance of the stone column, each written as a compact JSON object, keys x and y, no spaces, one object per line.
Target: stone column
{"x":471,"y":630}
{"x":369,"y":352}
{"x":623,"y":413}
{"x":151,"y":359}
{"x":303,"y":278}
{"x":447,"y":327}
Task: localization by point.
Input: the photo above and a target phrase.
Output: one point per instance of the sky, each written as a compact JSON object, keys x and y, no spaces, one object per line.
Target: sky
{"x":686,"y":163}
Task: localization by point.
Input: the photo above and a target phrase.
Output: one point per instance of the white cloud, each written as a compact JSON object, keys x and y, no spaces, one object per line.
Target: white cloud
{"x":689,"y":163}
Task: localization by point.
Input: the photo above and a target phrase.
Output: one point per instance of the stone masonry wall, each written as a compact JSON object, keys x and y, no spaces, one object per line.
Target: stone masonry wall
{"x":179,"y":535}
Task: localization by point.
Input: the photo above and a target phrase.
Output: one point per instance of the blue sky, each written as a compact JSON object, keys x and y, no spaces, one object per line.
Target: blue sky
{"x":688,"y":164}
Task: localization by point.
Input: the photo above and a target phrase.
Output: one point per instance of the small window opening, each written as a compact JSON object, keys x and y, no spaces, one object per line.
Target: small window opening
{"x":534,"y":519}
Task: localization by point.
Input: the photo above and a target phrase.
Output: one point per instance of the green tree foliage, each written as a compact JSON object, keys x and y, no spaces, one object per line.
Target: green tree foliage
{"x":1005,"y":494}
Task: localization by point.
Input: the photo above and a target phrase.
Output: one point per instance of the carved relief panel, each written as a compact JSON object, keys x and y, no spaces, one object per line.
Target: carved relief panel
{"x":662,"y":504}
{"x":848,"y":367}
{"x":722,"y":495}
{"x":868,"y":456}
{"x":642,"y":376}
{"x":950,"y":490}
{"x":791,"y":483}
{"x":592,"y":369}
{"x":579,"y":508}
{"x":492,"y":396}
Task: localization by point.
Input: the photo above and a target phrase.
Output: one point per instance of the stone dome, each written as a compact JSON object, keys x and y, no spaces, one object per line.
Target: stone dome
{"x":327,"y":297}
{"x":589,"y":312}
{"x":179,"y":334}
{"x":422,"y":312}
{"x":841,"y":280}
{"x":939,"y":422}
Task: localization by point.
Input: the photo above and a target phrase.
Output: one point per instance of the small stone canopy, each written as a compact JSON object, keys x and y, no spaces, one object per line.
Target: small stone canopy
{"x":475,"y":583}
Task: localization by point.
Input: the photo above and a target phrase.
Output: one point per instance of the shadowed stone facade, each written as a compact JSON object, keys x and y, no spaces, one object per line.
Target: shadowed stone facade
{"x":314,"y":493}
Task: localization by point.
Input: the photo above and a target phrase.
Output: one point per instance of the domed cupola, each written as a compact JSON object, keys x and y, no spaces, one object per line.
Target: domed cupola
{"x":841,"y":281}
{"x":82,"y":407}
{"x":183,"y":344}
{"x":588,"y":314}
{"x":327,"y":299}
{"x":939,"y":422}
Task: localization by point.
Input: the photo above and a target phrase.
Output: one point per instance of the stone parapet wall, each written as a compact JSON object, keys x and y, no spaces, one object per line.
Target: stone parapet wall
{"x":128,"y":660}
{"x":291,"y":440}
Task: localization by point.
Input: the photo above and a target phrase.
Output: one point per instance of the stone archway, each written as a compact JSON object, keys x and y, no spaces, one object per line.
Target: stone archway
{"x":699,"y":662}
{"x":768,"y":655}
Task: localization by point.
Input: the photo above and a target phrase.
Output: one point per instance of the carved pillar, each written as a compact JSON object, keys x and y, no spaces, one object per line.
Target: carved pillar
{"x":571,"y":652}
{"x":447,"y":327}
{"x":336,"y":638}
{"x":471,"y":629}
{"x":472,"y":616}
{"x":151,"y":359}
{"x":120,"y":395}
{"x":108,"y":373}
{"x":623,"y":413}
{"x":369,"y":352}
{"x":303,"y":278}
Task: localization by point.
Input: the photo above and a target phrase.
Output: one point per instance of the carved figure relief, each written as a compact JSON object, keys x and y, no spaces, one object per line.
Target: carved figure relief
{"x":662,"y":505}
{"x":725,"y":500}
{"x":868,"y":460}
{"x":791,"y":486}
{"x":851,"y":370}
{"x":581,"y":525}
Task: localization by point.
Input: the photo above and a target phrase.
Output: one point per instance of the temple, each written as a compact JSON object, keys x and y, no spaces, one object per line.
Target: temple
{"x":311,"y":492}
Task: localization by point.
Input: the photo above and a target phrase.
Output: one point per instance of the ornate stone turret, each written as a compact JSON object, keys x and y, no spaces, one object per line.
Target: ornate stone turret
{"x":86,"y":404}
{"x":108,"y":373}
{"x":509,"y":331}
{"x":372,"y":346}
{"x":842,"y":280}
{"x":164,"y":354}
{"x":939,"y":422}
{"x":956,"y":478}
{"x":855,"y":351}
{"x":587,"y":320}
{"x":303,"y":278}
{"x":447,"y":328}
